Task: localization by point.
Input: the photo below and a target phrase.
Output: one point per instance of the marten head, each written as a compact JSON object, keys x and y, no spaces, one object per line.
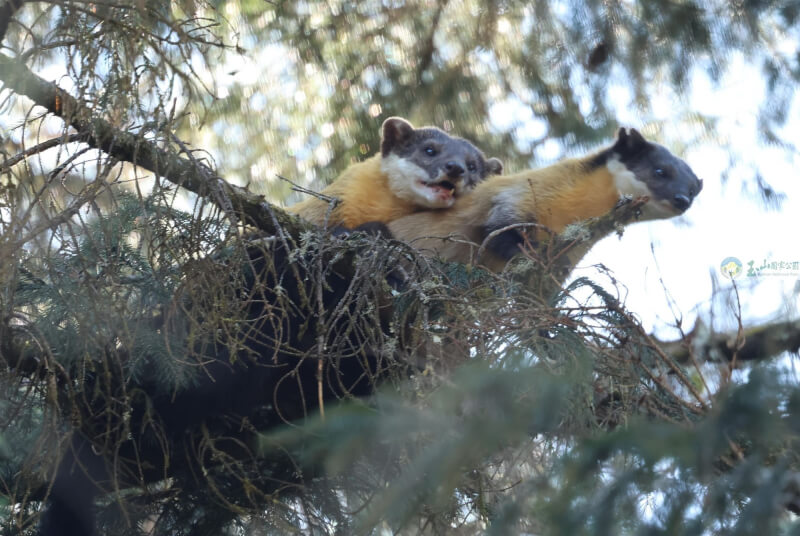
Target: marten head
{"x":641,"y":168}
{"x":428,"y":167}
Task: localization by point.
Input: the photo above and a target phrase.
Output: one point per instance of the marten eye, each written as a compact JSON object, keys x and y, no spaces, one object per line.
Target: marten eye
{"x":472,"y":167}
{"x":660,"y":172}
{"x":430,"y":150}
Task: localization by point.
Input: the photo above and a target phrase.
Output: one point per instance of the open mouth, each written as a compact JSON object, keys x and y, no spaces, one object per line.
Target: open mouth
{"x":442,"y":188}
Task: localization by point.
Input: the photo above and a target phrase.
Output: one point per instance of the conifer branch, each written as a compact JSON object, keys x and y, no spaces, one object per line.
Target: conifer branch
{"x":125,"y":146}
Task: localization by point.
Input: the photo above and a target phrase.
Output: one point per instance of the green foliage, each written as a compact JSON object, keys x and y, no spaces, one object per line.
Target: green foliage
{"x":108,"y":287}
{"x":456,"y":457}
{"x":692,"y":475}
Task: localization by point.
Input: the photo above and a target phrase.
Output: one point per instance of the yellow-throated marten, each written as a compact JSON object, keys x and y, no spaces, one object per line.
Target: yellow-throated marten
{"x":417,"y":168}
{"x":570,"y":191}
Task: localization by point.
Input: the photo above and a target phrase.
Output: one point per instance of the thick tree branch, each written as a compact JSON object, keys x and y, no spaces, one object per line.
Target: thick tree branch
{"x":128,"y":147}
{"x":759,"y":343}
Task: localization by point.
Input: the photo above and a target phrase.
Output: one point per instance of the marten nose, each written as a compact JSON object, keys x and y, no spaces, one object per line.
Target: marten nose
{"x":453,"y":170}
{"x":681,"y":202}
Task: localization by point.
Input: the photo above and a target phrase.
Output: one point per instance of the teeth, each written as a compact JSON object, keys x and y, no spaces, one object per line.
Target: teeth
{"x":444,"y":189}
{"x":447,"y":185}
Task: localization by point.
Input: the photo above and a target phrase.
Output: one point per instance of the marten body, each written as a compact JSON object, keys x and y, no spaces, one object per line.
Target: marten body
{"x":553,"y":197}
{"x":417,"y":168}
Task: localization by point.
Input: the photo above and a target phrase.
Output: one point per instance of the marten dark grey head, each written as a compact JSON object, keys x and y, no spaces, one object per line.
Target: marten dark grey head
{"x":428,"y":167}
{"x":641,"y":168}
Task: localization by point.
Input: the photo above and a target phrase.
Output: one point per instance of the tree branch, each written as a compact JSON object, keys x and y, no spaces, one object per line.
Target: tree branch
{"x":100,"y":134}
{"x":760,"y":343}
{"x":7,"y":164}
{"x":429,"y":47}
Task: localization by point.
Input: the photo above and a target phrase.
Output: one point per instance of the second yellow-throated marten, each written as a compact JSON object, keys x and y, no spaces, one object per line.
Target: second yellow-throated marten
{"x":553,"y":197}
{"x":417,"y":168}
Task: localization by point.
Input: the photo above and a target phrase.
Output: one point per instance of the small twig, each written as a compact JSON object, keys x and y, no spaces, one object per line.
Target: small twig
{"x":496,"y":232}
{"x":740,"y":337}
{"x":297,"y":188}
{"x":68,"y":164}
{"x":219,"y":194}
{"x":8,"y":163}
{"x":55,"y":44}
{"x":320,"y":398}
{"x":662,"y":355}
{"x":93,"y":190}
{"x":320,"y":331}
{"x":679,"y":324}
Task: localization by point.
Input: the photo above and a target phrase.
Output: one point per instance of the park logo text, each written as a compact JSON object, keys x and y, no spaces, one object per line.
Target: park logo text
{"x":732,"y":268}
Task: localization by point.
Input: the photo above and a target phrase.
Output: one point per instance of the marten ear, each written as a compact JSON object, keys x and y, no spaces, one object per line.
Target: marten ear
{"x":629,"y":142}
{"x":494,"y":166}
{"x":395,"y":131}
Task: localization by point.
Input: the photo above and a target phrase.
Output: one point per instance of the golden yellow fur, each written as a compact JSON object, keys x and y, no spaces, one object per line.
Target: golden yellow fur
{"x":561,"y":194}
{"x":502,"y":210}
{"x":554,"y":197}
{"x":364,"y":194}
